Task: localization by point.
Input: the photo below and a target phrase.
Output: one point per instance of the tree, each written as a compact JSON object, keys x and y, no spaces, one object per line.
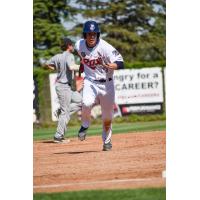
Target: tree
{"x":135,"y":28}
{"x":48,"y":28}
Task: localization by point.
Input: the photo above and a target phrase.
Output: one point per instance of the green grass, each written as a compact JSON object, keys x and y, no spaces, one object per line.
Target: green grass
{"x":133,"y":118}
{"x":47,"y":133}
{"x":129,"y":194}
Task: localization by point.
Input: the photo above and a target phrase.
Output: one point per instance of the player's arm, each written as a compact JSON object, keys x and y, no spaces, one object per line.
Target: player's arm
{"x":50,"y":67}
{"x":76,"y":52}
{"x":50,"y":64}
{"x":108,"y":65}
{"x":112,"y":65}
{"x":71,"y":63}
{"x":115,"y":65}
{"x":112,"y":59}
{"x":74,"y":67}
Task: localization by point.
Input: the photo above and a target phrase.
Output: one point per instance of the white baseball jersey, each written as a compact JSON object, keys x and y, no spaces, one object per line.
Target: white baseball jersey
{"x":91,"y":58}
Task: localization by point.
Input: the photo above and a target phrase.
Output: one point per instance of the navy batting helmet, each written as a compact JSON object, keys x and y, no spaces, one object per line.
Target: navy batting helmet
{"x":91,"y":26}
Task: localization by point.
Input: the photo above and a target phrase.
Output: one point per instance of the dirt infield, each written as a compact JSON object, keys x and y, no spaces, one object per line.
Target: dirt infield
{"x":136,"y":160}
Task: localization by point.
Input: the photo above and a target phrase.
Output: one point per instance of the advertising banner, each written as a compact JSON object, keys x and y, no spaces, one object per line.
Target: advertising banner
{"x":138,"y":86}
{"x":139,"y":90}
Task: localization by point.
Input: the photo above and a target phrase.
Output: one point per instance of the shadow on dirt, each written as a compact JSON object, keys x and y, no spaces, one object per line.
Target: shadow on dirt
{"x":49,"y":141}
{"x":76,"y":152}
{"x":52,"y":142}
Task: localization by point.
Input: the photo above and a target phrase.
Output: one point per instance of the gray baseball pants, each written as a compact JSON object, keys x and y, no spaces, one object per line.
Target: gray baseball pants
{"x":70,"y":102}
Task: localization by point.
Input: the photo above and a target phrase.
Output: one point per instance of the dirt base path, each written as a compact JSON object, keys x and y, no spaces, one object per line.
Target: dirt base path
{"x":136,"y":160}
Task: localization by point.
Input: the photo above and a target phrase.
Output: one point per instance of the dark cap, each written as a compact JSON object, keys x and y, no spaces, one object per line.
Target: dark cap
{"x":65,"y":42}
{"x":91,"y":26}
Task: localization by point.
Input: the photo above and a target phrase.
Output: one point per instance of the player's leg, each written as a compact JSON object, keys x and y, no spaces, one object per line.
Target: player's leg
{"x":75,"y":105}
{"x":76,"y":102}
{"x":107,"y":102}
{"x":89,"y":97}
{"x":64,"y":95}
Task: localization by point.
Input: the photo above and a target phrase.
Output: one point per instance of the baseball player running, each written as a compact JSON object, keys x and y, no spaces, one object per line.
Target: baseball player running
{"x":99,"y":59}
{"x":69,"y":100}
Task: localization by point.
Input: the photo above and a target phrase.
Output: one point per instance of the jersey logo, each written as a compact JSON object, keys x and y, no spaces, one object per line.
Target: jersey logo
{"x":115,"y":53}
{"x":92,"y":27}
{"x":92,"y":63}
{"x":83,"y":54}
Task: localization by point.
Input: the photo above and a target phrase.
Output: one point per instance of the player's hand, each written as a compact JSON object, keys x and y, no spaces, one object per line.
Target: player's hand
{"x":103,"y":61}
{"x":51,"y":67}
{"x":79,"y":83}
{"x":111,"y":66}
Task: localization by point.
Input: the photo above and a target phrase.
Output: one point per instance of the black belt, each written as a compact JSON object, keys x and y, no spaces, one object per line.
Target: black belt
{"x":103,"y":80}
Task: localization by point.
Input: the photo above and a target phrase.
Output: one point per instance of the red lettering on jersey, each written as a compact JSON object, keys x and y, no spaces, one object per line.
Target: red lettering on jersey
{"x":92,"y":63}
{"x":98,"y":61}
{"x":85,"y":61}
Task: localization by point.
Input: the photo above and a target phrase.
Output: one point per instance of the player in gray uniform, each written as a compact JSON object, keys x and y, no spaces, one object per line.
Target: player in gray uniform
{"x":69,"y":100}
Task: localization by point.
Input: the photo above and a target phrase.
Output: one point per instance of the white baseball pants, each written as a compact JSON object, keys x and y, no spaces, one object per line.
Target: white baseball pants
{"x":104,"y":94}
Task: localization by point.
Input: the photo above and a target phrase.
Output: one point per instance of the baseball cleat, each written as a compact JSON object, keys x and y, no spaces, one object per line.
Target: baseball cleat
{"x":107,"y":147}
{"x":82,"y":133}
{"x":59,"y":139}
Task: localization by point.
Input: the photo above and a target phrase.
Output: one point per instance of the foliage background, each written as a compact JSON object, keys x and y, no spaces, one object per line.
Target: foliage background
{"x":136,"y":28}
